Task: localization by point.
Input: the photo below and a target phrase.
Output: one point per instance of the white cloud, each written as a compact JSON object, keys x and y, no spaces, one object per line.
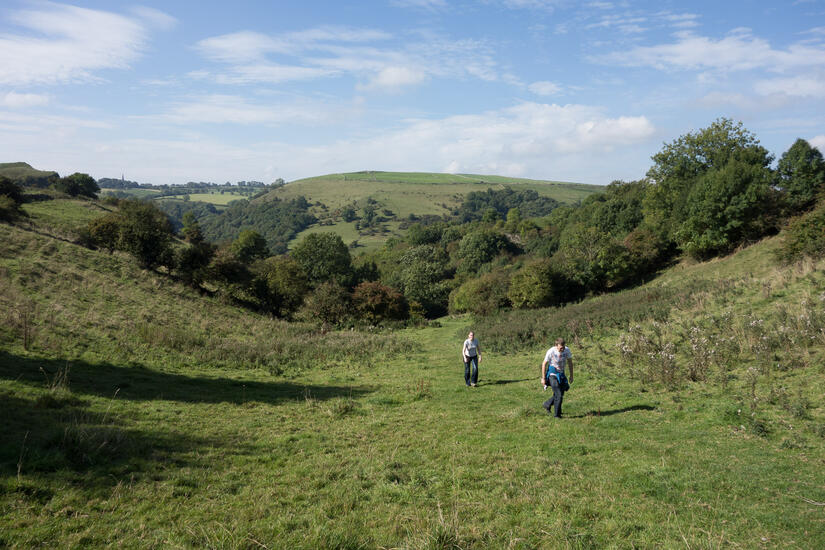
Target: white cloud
{"x":155,"y":18}
{"x":13,"y":100}
{"x":818,"y":142}
{"x":530,"y":139}
{"x":326,"y":52}
{"x":74,"y":43}
{"x":544,"y":88}
{"x":230,"y":109}
{"x":738,"y":51}
{"x":799,"y":86}
{"x":431,"y":5}
{"x":393,"y":78}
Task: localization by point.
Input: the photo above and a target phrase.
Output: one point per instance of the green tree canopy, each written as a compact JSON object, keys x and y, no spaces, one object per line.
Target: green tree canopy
{"x":324,"y":257}
{"x":678,"y":167}
{"x":78,"y":184}
{"x":139,"y":228}
{"x":249,"y":246}
{"x":801,"y":175}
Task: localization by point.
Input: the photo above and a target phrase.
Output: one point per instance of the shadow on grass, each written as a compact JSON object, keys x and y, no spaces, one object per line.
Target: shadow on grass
{"x":500,"y":382}
{"x":57,"y":431}
{"x":616,"y":411}
{"x":138,"y":383}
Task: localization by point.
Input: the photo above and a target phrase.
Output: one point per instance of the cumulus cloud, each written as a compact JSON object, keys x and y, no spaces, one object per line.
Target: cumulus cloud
{"x":65,"y":48}
{"x":13,"y":100}
{"x":818,"y":142}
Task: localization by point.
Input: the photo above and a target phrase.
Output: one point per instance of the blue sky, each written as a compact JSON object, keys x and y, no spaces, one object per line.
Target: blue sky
{"x":172,"y":91}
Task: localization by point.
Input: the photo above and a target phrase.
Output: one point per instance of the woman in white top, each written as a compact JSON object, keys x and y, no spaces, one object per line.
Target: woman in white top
{"x":471,"y":354}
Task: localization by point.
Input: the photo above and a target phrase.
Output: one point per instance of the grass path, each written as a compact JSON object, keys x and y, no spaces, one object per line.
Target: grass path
{"x":399,"y":455}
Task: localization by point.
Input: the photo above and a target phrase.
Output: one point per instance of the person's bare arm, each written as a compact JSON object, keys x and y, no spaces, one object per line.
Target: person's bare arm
{"x":570,"y":378}
{"x":544,"y":373}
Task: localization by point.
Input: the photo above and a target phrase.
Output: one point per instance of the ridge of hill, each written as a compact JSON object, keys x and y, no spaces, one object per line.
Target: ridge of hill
{"x":403,"y":196}
{"x":23,"y":172}
{"x":127,"y":397}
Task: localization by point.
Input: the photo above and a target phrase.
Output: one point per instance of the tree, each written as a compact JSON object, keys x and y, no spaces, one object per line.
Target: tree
{"x":78,"y":184}
{"x":532,"y":286}
{"x":801,"y":176}
{"x":479,"y":247}
{"x":482,"y":296}
{"x":11,"y":195}
{"x":725,"y":208}
{"x":249,"y":246}
{"x":422,"y":277}
{"x":284,"y":284}
{"x":678,"y":167}
{"x":324,"y":257}
{"x":375,"y":302}
{"x":138,"y":228}
{"x":191,"y":229}
{"x":328,"y":303}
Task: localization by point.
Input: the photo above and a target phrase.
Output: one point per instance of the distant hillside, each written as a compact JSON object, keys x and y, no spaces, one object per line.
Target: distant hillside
{"x":23,"y":173}
{"x":418,"y":193}
{"x":404,"y":196}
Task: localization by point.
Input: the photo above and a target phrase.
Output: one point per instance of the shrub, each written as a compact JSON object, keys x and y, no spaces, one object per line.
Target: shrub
{"x":78,"y":184}
{"x":805,"y":236}
{"x":283,"y":284}
{"x":478,"y":248}
{"x":375,"y":302}
{"x":328,"y":303}
{"x":483,"y":296}
{"x":138,"y":228}
{"x":532,"y":286}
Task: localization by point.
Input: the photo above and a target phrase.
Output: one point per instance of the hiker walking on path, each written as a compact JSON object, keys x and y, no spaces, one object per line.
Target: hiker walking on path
{"x":552,"y":374}
{"x":471,"y":354}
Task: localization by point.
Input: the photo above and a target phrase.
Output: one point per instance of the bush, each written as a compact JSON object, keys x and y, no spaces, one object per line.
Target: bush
{"x":78,"y":184}
{"x":282,"y":284}
{"x":375,"y":302}
{"x":478,"y":248}
{"x":805,"y":236}
{"x":9,"y":208}
{"x":138,"y":228}
{"x":329,"y":303}
{"x":482,"y":296}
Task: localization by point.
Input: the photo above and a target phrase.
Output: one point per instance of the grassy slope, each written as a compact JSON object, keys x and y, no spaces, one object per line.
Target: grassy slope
{"x":157,"y":440}
{"x":410,"y":193}
{"x":19,"y":170}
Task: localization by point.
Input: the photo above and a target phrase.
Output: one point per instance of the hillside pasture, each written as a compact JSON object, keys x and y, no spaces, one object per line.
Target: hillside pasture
{"x":417,"y":193}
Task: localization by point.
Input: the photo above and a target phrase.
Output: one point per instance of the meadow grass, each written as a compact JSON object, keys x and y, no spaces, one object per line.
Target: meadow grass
{"x":140,"y":414}
{"x":417,"y":193}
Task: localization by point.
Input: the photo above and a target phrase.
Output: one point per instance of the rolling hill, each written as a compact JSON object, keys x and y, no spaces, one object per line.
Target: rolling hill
{"x":405,"y":195}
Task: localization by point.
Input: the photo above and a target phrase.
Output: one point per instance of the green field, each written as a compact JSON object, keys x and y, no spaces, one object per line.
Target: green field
{"x":417,"y":193}
{"x":140,"y":413}
{"x":404,"y":194}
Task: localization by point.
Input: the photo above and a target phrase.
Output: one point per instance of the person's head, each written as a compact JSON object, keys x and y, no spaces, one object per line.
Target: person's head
{"x":560,"y":343}
{"x":471,"y":335}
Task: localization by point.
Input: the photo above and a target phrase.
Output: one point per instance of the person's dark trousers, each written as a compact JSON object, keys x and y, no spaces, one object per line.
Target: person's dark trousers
{"x":468,"y":377}
{"x":555,"y":401}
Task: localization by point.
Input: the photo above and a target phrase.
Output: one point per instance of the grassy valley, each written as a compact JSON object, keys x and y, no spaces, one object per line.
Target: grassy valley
{"x":142,"y":413}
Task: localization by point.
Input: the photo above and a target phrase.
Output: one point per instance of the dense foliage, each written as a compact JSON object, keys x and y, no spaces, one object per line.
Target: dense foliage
{"x":529,"y":203}
{"x":78,"y":184}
